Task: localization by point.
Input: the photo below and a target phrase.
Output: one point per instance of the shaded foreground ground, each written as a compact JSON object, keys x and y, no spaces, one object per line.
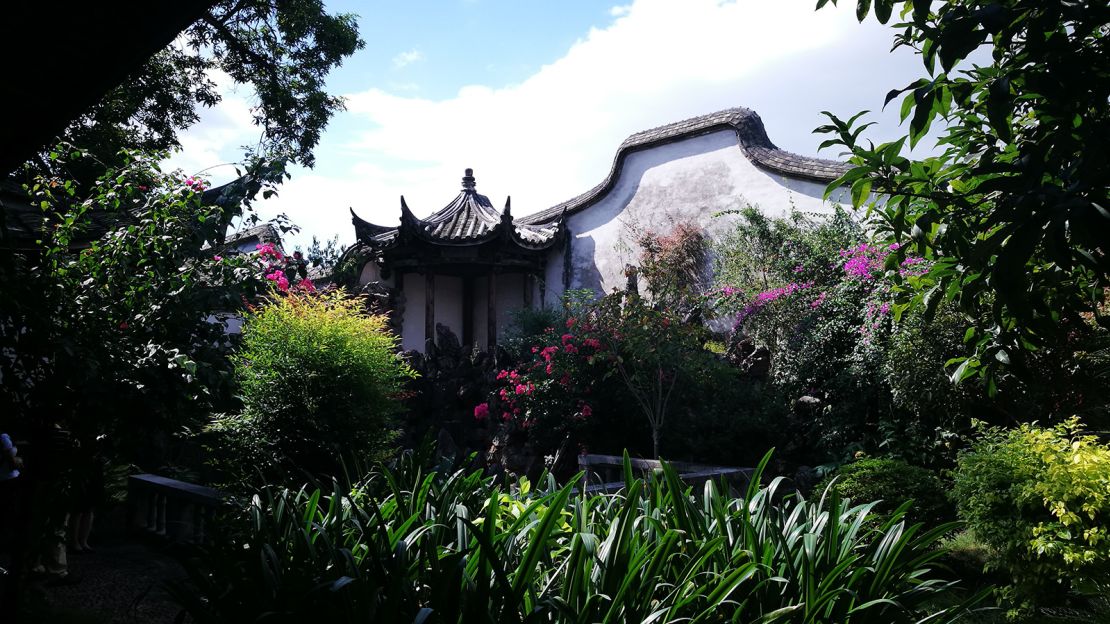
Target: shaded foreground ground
{"x":120,"y":583}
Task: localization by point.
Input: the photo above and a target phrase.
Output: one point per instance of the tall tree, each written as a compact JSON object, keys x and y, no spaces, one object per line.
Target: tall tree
{"x":1015,"y":210}
{"x":282,"y":49}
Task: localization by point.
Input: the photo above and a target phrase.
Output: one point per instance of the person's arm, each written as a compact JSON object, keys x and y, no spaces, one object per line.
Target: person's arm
{"x":10,"y":451}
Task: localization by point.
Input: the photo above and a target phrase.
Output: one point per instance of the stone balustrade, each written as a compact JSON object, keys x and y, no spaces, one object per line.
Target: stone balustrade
{"x":176,"y":510}
{"x":604,"y":473}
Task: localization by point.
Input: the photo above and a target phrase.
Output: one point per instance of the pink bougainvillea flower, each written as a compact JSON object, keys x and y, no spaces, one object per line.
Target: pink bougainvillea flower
{"x":593,"y":343}
{"x":567,"y":338}
{"x":569,"y":348}
{"x":894,"y":247}
{"x":550,"y":370}
{"x":481,"y":411}
{"x":521,"y":389}
{"x":587,"y":411}
{"x":218,"y":258}
{"x":570,"y":322}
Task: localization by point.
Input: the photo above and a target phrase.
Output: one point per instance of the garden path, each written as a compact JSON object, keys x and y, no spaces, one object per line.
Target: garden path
{"x":120,"y":583}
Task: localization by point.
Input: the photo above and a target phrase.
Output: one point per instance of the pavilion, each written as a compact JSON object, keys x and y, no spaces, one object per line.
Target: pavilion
{"x":458,"y":267}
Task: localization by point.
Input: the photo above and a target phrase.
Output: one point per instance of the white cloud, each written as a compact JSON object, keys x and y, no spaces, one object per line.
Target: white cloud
{"x":207,"y":146}
{"x":407,"y":58}
{"x":554,"y":135}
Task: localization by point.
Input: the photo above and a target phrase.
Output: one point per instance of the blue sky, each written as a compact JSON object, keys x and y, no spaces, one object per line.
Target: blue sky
{"x":536,"y":96}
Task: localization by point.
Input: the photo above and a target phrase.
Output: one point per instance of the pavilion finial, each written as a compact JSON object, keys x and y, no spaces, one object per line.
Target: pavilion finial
{"x":468,"y":180}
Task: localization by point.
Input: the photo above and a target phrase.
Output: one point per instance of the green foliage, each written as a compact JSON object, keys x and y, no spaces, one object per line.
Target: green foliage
{"x":1041,"y":499}
{"x":761,"y":252}
{"x":675,"y":267}
{"x":282,"y":50}
{"x":527,"y":327}
{"x":891,"y":482}
{"x":325,"y":255}
{"x":109,"y":335}
{"x":813,"y":292}
{"x":611,"y":365}
{"x":406,"y":545}
{"x":1013,"y":211}
{"x":319,"y":379}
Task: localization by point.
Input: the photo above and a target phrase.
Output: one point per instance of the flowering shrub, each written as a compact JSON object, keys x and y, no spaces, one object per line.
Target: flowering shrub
{"x":551,"y":395}
{"x":619,"y":374}
{"x":675,"y":266}
{"x":825,"y":309}
{"x":1040,"y":497}
{"x":282,"y":272}
{"x":320,"y":381}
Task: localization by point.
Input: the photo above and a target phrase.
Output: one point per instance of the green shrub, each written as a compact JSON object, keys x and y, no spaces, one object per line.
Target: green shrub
{"x":890,"y":482}
{"x":320,"y":381}
{"x":411,"y":546}
{"x":1041,"y":499}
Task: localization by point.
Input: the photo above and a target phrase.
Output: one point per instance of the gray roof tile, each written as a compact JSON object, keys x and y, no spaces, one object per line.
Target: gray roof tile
{"x":751,"y":139}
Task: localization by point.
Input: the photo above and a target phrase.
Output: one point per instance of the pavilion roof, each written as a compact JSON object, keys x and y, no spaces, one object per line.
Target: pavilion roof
{"x":469,"y":219}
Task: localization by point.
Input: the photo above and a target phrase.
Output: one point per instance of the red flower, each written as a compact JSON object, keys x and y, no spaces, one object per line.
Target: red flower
{"x":123,"y":325}
{"x":481,"y":411}
{"x":567,"y":338}
{"x":570,"y":322}
{"x":587,"y":411}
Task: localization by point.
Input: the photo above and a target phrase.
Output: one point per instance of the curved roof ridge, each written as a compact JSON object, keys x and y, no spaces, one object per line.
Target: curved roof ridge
{"x":751,"y":138}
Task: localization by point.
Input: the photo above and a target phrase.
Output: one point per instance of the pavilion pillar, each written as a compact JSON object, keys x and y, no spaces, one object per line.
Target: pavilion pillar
{"x":491,"y":317}
{"x":529,"y":285}
{"x":429,"y":307}
{"x":468,"y":311}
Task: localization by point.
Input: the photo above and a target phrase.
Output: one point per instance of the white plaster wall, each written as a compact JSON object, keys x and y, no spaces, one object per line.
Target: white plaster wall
{"x":684,"y":181}
{"x":412,"y":322}
{"x":510,"y":298}
{"x":448,"y":302}
{"x":370,"y":273}
{"x":481,"y":312}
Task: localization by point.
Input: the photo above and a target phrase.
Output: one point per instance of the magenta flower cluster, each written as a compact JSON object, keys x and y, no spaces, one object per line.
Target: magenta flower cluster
{"x":864,"y":261}
{"x":196,"y":184}
{"x":767,"y":296}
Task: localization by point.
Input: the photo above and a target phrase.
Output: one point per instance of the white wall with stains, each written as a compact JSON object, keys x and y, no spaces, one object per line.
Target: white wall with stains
{"x":687,"y":181}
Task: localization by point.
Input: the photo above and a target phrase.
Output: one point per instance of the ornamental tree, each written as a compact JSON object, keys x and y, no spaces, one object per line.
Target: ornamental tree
{"x":1014,"y":213}
{"x":282,"y":50}
{"x":320,"y":381}
{"x":615,"y":357}
{"x":109,"y":335}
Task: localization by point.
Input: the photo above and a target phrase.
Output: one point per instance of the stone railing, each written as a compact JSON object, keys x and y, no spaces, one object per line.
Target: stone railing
{"x":605,"y":473}
{"x":175,"y":510}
